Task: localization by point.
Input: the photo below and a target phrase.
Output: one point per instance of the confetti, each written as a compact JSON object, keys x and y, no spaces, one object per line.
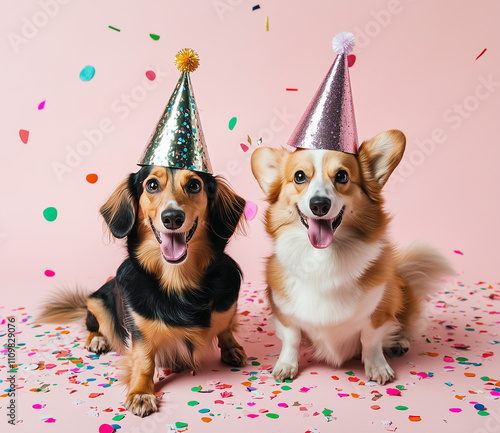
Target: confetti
{"x":482,"y":52}
{"x":50,"y":214}
{"x":87,"y":73}
{"x":250,"y":210}
{"x":114,"y":28}
{"x":41,"y":105}
{"x":254,"y":8}
{"x":154,"y":37}
{"x":455,"y":409}
{"x":288,"y":89}
{"x":415,"y":418}
{"x":106,"y":428}
{"x":244,"y":147}
{"x":458,"y":252}
{"x":150,"y":75}
{"x":351,"y":59}
{"x":91,"y":178}
{"x":232,"y":123}
{"x":272,"y":415}
{"x":49,"y":273}
{"x":24,"y":135}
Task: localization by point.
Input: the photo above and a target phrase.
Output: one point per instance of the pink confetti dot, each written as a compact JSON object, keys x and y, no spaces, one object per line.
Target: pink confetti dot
{"x":455,"y":409}
{"x":244,"y":147}
{"x":250,"y":210}
{"x":106,"y":428}
{"x":252,"y":415}
{"x":41,"y":105}
{"x":50,"y":420}
{"x":282,"y":405}
{"x":448,"y":359}
{"x":37,"y":406}
{"x":458,"y":252}
{"x":49,"y":273}
{"x":351,"y":59}
{"x":150,"y":75}
{"x":393,"y":391}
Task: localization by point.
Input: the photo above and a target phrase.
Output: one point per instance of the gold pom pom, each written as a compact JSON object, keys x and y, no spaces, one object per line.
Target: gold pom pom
{"x":187,"y":60}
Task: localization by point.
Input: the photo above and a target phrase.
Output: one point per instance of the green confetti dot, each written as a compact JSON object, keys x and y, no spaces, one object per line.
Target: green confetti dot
{"x":196,"y":389}
{"x":154,"y":37}
{"x":461,"y":358}
{"x":349,"y":373}
{"x":232,"y":123}
{"x":255,"y":363}
{"x":401,"y":387}
{"x":288,"y":381}
{"x":485,"y":378}
{"x":272,"y":415}
{"x":327,"y":412}
{"x":50,"y":213}
{"x":286,"y":388}
{"x":401,"y":407}
{"x":482,"y":413}
{"x":193,"y":403}
{"x":181,"y":424}
{"x":118,"y":417}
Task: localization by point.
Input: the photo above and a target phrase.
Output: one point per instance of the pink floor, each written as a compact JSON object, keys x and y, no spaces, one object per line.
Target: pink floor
{"x":448,"y":381}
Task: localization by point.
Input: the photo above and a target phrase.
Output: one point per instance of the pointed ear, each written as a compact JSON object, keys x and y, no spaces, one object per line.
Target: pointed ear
{"x":381,"y":155}
{"x":120,"y":210}
{"x":227,"y":209}
{"x":266,"y":166}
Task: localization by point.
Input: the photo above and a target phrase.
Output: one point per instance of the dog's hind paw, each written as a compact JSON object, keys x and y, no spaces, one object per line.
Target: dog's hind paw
{"x":400,"y":347}
{"x":380,"y":373}
{"x":97,"y":344}
{"x":284,"y":370}
{"x":141,"y":404}
{"x":235,"y":356}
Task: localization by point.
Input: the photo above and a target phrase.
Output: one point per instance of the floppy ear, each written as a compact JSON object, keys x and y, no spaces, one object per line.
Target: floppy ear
{"x":381,"y":155}
{"x":120,"y":209}
{"x":266,"y":166}
{"x":227,"y":209}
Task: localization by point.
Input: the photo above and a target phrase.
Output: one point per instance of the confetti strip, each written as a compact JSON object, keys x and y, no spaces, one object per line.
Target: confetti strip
{"x":482,"y":52}
{"x":288,"y":89}
{"x":114,"y":28}
{"x":267,"y":24}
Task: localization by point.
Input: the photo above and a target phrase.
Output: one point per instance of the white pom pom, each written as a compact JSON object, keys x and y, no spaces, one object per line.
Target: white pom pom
{"x":343,"y":43}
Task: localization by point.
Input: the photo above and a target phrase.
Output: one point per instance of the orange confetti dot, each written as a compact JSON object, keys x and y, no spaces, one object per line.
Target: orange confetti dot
{"x":432,"y":354}
{"x":460,"y":397}
{"x":276,"y":392}
{"x":375,"y":407}
{"x":414,"y":418}
{"x":206,"y":419}
{"x":246,"y":383}
{"x":92,"y":178}
{"x":469,"y":374}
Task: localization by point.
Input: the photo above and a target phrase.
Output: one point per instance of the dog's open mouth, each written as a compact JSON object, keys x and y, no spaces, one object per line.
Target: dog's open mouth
{"x":173,"y":245}
{"x":320,"y":231}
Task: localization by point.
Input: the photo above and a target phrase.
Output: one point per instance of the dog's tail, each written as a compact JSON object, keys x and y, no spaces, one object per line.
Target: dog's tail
{"x":64,"y":307}
{"x":424,"y":269}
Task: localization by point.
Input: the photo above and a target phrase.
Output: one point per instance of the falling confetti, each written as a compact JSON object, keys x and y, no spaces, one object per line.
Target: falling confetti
{"x":232,"y":123}
{"x":244,"y":147}
{"x":114,"y":28}
{"x":49,"y":273}
{"x":458,"y":252}
{"x":41,"y":105}
{"x":250,"y":210}
{"x":254,"y":8}
{"x":87,"y":73}
{"x":50,"y":213}
{"x":150,"y":75}
{"x":482,"y":52}
{"x":154,"y":37}
{"x":92,"y":178}
{"x":24,"y":135}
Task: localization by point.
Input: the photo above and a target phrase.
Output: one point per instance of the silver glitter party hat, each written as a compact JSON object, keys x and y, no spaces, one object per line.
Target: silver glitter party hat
{"x":328,"y":122}
{"x":178,"y":140}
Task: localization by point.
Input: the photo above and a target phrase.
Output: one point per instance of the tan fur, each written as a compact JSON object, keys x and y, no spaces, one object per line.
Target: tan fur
{"x":406,"y":277}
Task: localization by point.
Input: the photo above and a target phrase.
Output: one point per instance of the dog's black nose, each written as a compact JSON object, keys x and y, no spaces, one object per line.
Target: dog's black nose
{"x":320,"y":205}
{"x":173,"y":218}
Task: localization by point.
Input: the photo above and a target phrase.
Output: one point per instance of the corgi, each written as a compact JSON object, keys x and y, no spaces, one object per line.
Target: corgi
{"x":335,"y":277}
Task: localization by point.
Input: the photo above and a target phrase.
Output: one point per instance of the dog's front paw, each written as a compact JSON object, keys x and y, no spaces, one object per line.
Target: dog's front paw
{"x":380,"y":372}
{"x":141,"y":404}
{"x":97,"y":344}
{"x":235,"y":356}
{"x":284,"y":370}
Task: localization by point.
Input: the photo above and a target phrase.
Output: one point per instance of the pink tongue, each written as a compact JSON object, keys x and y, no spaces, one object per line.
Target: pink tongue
{"x":173,"y":245}
{"x":320,"y":233}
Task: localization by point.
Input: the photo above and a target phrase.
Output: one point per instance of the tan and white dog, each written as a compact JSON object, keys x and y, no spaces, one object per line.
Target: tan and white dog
{"x":335,"y":277}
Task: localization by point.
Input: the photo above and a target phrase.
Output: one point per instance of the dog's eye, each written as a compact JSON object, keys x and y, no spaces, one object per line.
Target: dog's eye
{"x":152,"y":186}
{"x":194,"y":186}
{"x":300,"y":177}
{"x":342,"y":177}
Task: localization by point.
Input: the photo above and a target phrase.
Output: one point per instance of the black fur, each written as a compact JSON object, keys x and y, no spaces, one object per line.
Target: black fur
{"x":137,"y":290}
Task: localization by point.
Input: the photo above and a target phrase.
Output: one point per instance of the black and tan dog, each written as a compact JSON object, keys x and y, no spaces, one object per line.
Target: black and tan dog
{"x":176,"y":291}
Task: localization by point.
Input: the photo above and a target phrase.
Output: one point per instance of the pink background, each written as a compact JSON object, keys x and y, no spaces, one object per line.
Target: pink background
{"x":415,"y":71}
{"x":414,"y":67}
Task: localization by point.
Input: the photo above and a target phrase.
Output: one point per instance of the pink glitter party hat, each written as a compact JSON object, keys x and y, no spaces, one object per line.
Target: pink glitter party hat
{"x":328,"y":122}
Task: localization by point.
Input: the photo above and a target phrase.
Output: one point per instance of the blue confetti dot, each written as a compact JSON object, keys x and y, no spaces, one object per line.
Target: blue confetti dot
{"x":87,"y":73}
{"x":204,"y":410}
{"x":479,"y":406}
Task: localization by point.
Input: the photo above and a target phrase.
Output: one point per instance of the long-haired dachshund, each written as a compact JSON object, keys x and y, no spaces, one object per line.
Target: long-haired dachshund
{"x":177,"y":289}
